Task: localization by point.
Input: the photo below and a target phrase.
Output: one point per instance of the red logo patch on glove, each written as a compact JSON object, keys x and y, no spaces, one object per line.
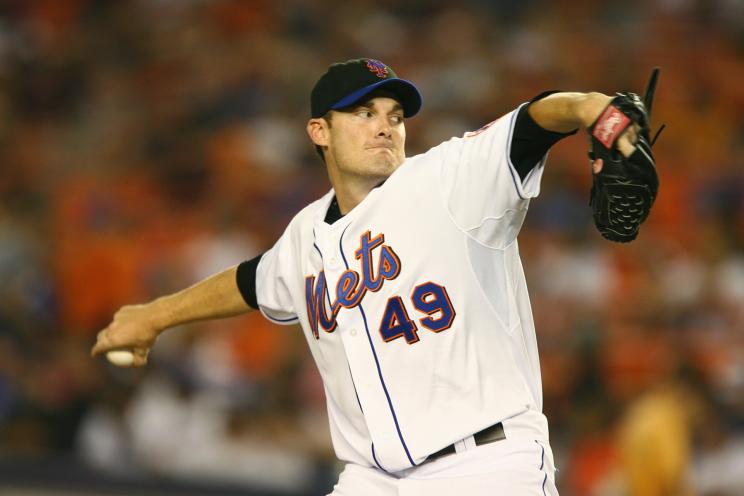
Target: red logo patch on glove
{"x":610,"y":125}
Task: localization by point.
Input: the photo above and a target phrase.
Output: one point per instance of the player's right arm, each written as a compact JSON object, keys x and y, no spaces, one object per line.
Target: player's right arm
{"x":136,"y":327}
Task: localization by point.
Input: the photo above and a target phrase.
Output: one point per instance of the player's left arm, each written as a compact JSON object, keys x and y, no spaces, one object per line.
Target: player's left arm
{"x":565,"y":112}
{"x":625,"y":181}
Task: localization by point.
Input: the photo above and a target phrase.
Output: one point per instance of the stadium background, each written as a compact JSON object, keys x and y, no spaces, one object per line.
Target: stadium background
{"x":146,"y":144}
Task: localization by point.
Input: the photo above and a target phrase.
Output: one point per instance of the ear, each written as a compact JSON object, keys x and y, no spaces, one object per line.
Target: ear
{"x":317,"y":129}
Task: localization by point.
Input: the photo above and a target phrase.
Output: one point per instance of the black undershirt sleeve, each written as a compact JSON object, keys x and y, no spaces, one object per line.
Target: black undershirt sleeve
{"x":530,"y":142}
{"x":245,"y":277}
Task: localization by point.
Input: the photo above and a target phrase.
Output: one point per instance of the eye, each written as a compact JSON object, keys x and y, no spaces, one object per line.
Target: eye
{"x":397,"y":119}
{"x":366,"y":114}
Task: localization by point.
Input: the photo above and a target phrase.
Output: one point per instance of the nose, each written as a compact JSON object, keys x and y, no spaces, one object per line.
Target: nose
{"x":384,"y":129}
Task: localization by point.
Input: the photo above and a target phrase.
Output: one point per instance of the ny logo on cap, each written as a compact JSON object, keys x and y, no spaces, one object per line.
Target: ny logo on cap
{"x":378,"y":68}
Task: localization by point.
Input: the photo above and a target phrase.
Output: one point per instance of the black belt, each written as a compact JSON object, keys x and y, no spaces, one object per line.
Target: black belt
{"x":487,"y":435}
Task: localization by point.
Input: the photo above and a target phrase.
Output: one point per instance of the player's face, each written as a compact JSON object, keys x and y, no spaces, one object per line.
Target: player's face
{"x":367,"y":140}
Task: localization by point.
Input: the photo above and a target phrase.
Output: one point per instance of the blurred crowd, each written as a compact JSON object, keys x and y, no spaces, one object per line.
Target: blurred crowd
{"x":146,"y":144}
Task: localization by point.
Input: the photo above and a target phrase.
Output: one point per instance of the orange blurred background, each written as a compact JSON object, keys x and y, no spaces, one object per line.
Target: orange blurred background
{"x":147,"y":144}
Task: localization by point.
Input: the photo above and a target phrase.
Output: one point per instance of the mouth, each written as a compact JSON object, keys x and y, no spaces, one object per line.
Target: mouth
{"x":381,"y":147}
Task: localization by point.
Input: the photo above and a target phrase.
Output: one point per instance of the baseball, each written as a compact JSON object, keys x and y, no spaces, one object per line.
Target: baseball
{"x":120,"y":358}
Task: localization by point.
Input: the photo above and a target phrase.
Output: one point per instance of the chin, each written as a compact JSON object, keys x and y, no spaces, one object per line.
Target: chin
{"x":388,"y":165}
{"x":381,"y":165}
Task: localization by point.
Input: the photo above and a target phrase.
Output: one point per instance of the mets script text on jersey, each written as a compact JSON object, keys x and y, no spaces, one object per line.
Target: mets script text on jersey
{"x":428,"y":298}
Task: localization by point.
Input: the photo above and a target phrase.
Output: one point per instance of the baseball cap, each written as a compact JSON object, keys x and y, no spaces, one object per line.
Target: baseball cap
{"x":345,"y":83}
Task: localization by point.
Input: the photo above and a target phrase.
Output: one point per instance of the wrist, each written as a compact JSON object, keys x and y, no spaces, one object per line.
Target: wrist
{"x":161,"y":314}
{"x":590,"y":106}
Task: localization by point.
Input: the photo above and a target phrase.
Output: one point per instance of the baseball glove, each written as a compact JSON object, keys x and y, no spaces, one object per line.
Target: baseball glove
{"x":624,"y":191}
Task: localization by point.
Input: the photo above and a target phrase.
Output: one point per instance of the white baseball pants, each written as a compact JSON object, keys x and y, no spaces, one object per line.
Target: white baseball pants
{"x":511,"y":467}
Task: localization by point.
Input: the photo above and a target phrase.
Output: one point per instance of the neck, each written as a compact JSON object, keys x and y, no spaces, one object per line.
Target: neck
{"x":349,"y":194}
{"x":351,"y":189}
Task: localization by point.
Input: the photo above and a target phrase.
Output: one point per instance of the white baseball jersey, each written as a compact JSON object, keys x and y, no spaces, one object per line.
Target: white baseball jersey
{"x":414,"y":303}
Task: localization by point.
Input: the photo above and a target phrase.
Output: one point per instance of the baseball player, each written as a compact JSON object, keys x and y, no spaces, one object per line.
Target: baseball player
{"x":406,"y":280}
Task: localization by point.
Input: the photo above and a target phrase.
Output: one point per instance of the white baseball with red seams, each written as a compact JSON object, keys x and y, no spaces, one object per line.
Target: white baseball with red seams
{"x":415,"y":305}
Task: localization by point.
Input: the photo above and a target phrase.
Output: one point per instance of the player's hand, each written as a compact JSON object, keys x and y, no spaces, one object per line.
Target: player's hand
{"x":627,"y":141}
{"x":625,"y":185}
{"x":626,"y":144}
{"x":590,"y":108}
{"x":133,"y":329}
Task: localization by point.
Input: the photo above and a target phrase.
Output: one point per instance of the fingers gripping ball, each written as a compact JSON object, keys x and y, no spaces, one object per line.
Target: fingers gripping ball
{"x":121,"y":358}
{"x":624,"y":191}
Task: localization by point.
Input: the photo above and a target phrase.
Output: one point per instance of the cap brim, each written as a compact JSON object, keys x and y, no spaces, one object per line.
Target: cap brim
{"x":407,"y":94}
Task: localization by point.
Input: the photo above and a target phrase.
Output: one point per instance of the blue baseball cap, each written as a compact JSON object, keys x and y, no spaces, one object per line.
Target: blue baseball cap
{"x":346,"y":83}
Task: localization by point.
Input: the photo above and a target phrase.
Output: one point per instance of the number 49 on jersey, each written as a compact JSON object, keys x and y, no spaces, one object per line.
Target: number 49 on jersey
{"x":430,"y":299}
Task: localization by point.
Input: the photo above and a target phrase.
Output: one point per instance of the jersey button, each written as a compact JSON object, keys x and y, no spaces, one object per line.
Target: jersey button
{"x":352,"y":332}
